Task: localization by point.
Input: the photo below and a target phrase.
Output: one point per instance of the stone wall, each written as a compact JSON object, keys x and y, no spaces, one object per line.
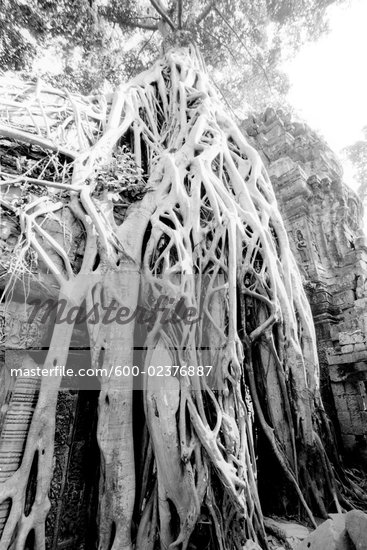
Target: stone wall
{"x":324,"y":221}
{"x":71,"y":522}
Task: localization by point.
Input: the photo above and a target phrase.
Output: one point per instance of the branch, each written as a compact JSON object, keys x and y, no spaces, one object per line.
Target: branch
{"x":134,"y":24}
{"x":25,"y":137}
{"x":244,"y":45}
{"x":138,"y":55}
{"x":205,"y":12}
{"x":16,"y":179}
{"x":179,"y":14}
{"x":225,"y":99}
{"x":222,"y":44}
{"x":157,"y":4}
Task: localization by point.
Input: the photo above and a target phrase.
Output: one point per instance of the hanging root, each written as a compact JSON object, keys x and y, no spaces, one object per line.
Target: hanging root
{"x":218,"y":243}
{"x":196,"y":223}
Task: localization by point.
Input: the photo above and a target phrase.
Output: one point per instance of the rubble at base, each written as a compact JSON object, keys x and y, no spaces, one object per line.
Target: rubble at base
{"x":340,"y":532}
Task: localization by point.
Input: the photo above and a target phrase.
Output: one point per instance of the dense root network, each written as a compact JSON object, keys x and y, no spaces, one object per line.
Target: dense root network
{"x":155,"y":192}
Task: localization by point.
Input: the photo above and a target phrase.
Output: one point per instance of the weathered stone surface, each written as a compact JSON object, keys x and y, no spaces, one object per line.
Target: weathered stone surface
{"x":352,"y":338}
{"x":324,"y":222}
{"x":293,"y":530}
{"x":339,"y":521}
{"x":330,"y":535}
{"x":251,"y":545}
{"x":356,"y":525}
{"x":284,"y":534}
{"x":71,"y":522}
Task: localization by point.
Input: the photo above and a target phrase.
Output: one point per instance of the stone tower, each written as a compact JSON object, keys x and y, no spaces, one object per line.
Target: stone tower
{"x":324,"y":222}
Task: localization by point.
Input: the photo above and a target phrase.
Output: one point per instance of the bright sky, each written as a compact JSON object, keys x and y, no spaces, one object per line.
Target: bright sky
{"x":329,"y":77}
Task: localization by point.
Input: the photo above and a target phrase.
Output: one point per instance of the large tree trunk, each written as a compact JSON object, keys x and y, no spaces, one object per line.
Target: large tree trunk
{"x":206,"y":234}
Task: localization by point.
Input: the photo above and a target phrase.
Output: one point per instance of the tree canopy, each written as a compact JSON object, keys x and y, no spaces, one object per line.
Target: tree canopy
{"x":357,"y":155}
{"x":98,"y":43}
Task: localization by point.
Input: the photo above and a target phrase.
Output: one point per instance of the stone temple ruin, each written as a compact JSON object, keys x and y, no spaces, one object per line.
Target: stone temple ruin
{"x":324,"y":221}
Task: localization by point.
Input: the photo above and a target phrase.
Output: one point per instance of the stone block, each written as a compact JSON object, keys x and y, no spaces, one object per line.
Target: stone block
{"x":355,"y":337}
{"x":251,"y":545}
{"x":292,"y":530}
{"x":343,"y":358}
{"x":341,"y":403}
{"x":358,"y":338}
{"x":345,"y":422}
{"x":330,"y":535}
{"x":335,"y":332}
{"x":360,"y":347}
{"x":356,"y":525}
{"x":339,"y":521}
{"x":348,"y":348}
{"x":338,"y":389}
{"x":349,"y":441}
{"x":281,"y":167}
{"x":345,"y":338}
{"x":354,"y":403}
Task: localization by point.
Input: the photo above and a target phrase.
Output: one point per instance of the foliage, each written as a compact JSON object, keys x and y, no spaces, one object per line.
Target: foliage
{"x":122,"y":176}
{"x":357,"y":155}
{"x":99,"y":43}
